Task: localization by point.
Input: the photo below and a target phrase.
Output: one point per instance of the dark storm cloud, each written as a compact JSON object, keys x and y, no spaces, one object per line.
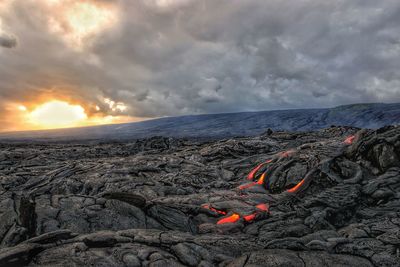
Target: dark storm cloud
{"x":181,"y":57}
{"x":7,"y":41}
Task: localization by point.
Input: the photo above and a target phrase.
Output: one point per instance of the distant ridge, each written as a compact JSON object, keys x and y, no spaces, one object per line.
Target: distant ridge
{"x":226,"y":125}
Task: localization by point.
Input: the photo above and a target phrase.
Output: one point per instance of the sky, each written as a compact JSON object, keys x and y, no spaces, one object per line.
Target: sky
{"x":67,"y":63}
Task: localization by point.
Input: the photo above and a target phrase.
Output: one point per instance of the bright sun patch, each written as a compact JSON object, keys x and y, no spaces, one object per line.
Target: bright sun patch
{"x":57,"y":114}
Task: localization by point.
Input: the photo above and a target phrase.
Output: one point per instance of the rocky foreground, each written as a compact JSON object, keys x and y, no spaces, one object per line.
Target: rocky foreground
{"x":326,"y":198}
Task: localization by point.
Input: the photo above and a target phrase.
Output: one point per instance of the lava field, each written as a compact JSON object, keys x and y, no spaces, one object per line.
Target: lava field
{"x":324,"y":198}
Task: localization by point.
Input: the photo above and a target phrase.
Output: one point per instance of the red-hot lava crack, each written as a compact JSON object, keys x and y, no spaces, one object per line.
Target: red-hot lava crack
{"x":234,"y":217}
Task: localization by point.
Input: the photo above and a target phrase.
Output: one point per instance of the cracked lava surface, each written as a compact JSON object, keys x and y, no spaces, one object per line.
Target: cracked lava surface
{"x":330,"y":197}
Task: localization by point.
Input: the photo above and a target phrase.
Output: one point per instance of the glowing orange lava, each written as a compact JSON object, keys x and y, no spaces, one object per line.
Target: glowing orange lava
{"x":296,"y":188}
{"x":235,"y":217}
{"x":256,"y":169}
{"x":251,"y":176}
{"x":248,"y":185}
{"x":261,"y":180}
{"x":249,"y":218}
{"x":206,"y":206}
{"x":231,"y":219}
{"x":263,"y":207}
{"x":349,"y":140}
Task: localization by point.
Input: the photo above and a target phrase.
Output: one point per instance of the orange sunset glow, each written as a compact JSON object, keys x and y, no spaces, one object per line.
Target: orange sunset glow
{"x":55,"y":114}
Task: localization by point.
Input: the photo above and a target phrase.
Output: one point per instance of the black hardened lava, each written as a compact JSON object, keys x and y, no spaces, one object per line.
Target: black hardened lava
{"x":324,"y":198}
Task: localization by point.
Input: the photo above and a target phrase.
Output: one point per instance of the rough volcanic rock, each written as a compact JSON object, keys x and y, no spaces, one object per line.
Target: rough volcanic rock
{"x":324,"y":198}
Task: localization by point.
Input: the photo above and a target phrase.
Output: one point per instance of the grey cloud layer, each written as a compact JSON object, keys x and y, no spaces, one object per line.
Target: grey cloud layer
{"x":215,"y":56}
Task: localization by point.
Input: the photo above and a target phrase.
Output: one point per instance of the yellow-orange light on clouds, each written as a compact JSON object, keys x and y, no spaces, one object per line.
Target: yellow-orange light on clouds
{"x":115,"y":106}
{"x":57,"y":114}
{"x":22,"y":108}
{"x":78,"y":21}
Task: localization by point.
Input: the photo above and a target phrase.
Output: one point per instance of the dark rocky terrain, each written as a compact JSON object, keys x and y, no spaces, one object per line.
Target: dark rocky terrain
{"x":324,"y":198}
{"x":214,"y":126}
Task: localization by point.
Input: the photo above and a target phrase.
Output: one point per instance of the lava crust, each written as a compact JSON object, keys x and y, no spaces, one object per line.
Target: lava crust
{"x":323,"y":198}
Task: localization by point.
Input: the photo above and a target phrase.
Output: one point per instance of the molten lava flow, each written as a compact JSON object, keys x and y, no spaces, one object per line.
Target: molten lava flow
{"x":248,"y":185}
{"x":253,"y":173}
{"x":260,"y":208}
{"x":296,"y":188}
{"x":256,"y":169}
{"x":263,"y":207}
{"x":261,"y":180}
{"x":251,"y":177}
{"x":231,"y":219}
{"x":213,"y":209}
{"x":349,"y":140}
{"x":249,"y":218}
{"x":245,"y":186}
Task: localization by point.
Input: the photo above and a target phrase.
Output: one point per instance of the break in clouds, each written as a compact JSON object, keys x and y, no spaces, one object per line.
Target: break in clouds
{"x":166,"y":57}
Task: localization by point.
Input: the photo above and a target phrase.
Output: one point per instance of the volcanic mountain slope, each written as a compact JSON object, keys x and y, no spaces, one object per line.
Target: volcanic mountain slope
{"x":216,"y":126}
{"x":325,"y":198}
